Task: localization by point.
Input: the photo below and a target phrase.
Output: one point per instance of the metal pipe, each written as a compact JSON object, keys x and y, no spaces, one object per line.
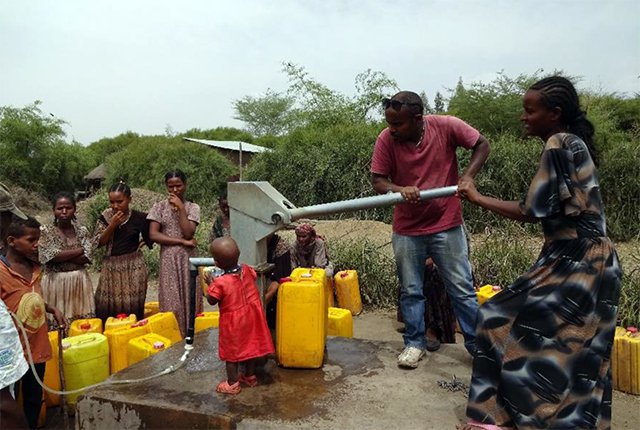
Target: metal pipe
{"x":366,"y":203}
{"x":191,"y":322}
{"x":194,"y":263}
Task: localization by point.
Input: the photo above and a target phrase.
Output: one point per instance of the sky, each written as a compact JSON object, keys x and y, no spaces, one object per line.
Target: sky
{"x":107,"y":67}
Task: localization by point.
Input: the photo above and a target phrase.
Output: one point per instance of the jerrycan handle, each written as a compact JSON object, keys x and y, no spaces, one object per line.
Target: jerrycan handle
{"x":89,"y":339}
{"x":344,"y":274}
{"x":141,"y":323}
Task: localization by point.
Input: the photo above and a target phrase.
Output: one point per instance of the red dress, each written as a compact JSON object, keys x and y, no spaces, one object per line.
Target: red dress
{"x":243,"y":327}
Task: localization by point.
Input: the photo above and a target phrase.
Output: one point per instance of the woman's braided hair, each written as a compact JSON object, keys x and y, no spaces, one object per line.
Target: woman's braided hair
{"x":559,"y":92}
{"x":121,"y":187}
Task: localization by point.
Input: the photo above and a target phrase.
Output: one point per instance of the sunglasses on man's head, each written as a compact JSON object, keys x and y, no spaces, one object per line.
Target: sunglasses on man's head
{"x":395,"y":104}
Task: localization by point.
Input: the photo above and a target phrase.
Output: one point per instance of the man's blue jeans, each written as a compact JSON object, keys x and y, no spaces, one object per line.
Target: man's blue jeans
{"x":450,"y":253}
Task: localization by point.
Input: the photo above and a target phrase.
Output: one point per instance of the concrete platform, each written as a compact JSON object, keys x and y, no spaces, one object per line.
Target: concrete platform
{"x":359,"y":386}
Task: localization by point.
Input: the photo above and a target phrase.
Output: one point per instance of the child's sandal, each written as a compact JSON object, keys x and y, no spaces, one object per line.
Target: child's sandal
{"x":250,"y":381}
{"x":225,"y":388}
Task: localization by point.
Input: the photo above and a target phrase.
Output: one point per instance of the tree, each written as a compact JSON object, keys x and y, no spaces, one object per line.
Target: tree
{"x":308,"y":102}
{"x":425,"y":102}
{"x":106,"y":146}
{"x":493,"y":108}
{"x":218,"y":133}
{"x":145,"y":162}
{"x":34,"y":153}
{"x":271,"y":114}
{"x":438,"y":103}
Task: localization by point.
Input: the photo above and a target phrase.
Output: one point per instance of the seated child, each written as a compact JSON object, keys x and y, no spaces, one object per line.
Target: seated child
{"x":20,"y":291}
{"x":243,"y":332}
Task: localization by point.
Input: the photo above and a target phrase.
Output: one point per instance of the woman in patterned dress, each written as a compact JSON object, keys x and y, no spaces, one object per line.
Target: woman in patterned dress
{"x":173,"y":226}
{"x":544,"y":343}
{"x":65,"y":250}
{"x":123,"y":279}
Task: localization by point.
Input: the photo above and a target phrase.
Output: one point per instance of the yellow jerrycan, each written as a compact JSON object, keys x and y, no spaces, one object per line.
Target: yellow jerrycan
{"x":83,"y":326}
{"x":340,"y":322}
{"x":165,"y":324}
{"x":301,"y":325}
{"x":119,"y":342}
{"x":151,"y":308}
{"x":205,"y":320}
{"x":627,"y":354}
{"x":85,"y":360}
{"x":52,"y":373}
{"x":120,"y":320}
{"x":619,"y":332}
{"x":348,"y":291}
{"x":145,"y":346}
{"x":300,"y":274}
{"x":485,"y":292}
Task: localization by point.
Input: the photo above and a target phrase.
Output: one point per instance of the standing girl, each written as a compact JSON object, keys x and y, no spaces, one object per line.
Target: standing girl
{"x":544,"y":343}
{"x":65,"y":250}
{"x":123,"y":280}
{"x":244,"y":335}
{"x":173,"y":226}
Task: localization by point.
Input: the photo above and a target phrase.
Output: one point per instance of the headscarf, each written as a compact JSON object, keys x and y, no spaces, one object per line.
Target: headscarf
{"x":307,"y":229}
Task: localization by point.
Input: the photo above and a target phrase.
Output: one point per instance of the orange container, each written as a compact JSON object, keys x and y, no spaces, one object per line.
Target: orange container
{"x":207,"y":320}
{"x":348,"y":291}
{"x":121,"y":320}
{"x":83,"y":326}
{"x":51,"y":372}
{"x":119,"y":342}
{"x":144,"y":346}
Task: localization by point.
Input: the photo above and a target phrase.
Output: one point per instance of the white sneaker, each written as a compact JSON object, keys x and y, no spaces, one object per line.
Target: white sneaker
{"x":410,"y":357}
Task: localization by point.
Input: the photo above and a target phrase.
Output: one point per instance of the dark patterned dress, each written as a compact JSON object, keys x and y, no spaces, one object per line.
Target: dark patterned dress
{"x":544,"y":343}
{"x":122,"y":287}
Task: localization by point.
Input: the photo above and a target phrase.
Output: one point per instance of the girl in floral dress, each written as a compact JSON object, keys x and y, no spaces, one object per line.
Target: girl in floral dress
{"x":173,"y":223}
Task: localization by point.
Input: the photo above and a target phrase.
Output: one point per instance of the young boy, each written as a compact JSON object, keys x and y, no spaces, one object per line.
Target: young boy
{"x":20,"y":291}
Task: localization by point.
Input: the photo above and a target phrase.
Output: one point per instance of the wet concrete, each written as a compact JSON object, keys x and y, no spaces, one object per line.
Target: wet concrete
{"x":359,"y":386}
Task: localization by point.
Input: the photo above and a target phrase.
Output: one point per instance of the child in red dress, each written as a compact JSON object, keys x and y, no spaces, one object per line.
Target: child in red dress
{"x":244,"y":335}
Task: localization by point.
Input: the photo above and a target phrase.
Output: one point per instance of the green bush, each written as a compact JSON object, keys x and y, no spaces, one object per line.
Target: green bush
{"x":317,"y":165}
{"x":629,"y":306}
{"x":498,"y":258}
{"x":619,"y":173}
{"x":144,"y":162}
{"x":35,"y":155}
{"x":375,"y":266}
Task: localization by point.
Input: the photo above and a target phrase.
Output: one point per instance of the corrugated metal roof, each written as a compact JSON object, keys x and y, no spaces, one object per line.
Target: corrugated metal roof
{"x":232,"y":145}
